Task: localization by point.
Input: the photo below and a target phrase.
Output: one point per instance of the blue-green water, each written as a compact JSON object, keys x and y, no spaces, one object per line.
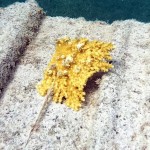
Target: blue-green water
{"x":106,"y":10}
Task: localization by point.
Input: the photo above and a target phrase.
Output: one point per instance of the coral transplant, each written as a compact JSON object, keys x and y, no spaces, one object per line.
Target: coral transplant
{"x":74,"y":61}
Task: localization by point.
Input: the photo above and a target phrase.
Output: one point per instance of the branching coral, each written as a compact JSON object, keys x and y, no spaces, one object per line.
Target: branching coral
{"x":70,"y":67}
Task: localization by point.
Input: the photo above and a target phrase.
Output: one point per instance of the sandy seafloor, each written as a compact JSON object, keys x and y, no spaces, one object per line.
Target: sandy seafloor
{"x":117,"y":112}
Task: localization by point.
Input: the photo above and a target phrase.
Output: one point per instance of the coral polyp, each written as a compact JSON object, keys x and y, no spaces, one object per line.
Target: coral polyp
{"x":74,"y":61}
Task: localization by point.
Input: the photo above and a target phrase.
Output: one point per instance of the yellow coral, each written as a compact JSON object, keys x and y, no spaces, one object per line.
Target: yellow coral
{"x":70,"y":67}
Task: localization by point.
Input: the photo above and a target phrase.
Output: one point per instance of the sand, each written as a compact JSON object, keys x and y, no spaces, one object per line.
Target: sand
{"x":116,"y":114}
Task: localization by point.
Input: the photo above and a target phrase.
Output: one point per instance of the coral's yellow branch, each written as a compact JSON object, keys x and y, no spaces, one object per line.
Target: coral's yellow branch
{"x":73,"y":62}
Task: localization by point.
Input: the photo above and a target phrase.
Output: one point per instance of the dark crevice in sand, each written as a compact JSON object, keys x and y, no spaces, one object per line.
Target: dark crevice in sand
{"x":28,"y":31}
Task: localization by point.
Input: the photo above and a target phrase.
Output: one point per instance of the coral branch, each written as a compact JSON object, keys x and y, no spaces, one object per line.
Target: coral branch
{"x":72,"y":64}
